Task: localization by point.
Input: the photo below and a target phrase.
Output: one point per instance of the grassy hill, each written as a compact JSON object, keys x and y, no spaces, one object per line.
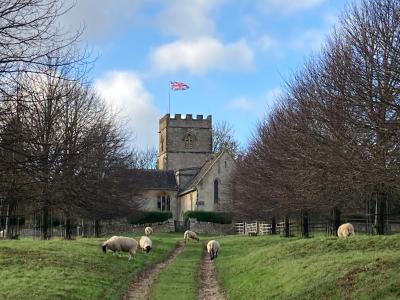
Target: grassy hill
{"x":59,"y":269}
{"x":267,"y":267}
{"x":364,"y":267}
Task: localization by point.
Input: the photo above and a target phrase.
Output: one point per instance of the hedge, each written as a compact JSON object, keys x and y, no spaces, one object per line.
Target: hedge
{"x":151,"y":217}
{"x":209,"y":216}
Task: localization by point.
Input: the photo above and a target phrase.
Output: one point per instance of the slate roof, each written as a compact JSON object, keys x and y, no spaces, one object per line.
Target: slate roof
{"x":157,"y":179}
{"x":203,"y":171}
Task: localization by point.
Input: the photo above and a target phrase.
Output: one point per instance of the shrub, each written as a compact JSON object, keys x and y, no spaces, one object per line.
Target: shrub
{"x":209,"y":216}
{"x":151,"y":217}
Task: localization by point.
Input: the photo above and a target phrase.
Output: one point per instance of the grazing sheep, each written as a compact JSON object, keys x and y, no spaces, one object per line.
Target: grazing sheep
{"x":345,"y":230}
{"x":190,"y":235}
{"x":121,"y":243}
{"x":148,"y":231}
{"x":212,"y":248}
{"x":145,"y":244}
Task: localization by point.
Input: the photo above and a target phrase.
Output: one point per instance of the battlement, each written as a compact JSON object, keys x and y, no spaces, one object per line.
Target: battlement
{"x":186,"y":117}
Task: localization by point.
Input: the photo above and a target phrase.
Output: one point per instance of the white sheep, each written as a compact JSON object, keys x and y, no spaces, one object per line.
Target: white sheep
{"x":121,"y":243}
{"x":190,"y":235}
{"x":345,"y":230}
{"x":213,"y":248}
{"x":148,"y":231}
{"x":145,"y":244}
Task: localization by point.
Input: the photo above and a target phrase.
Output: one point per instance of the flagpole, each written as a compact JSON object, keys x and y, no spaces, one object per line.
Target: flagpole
{"x":169,"y":99}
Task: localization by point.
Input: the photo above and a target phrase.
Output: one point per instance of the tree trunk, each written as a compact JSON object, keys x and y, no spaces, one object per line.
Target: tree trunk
{"x":7,"y":227}
{"x":45,"y":223}
{"x":286,"y":230}
{"x":273,"y":225}
{"x":379,"y":222}
{"x":97,"y":228}
{"x":68,"y":227}
{"x":305,"y":225}
{"x":336,"y":222}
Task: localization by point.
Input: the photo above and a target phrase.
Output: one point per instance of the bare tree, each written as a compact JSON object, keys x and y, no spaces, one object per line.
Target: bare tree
{"x":334,"y":138}
{"x":223,"y":138}
{"x":28,"y":39}
{"x":60,"y":148}
{"x":143,"y":159}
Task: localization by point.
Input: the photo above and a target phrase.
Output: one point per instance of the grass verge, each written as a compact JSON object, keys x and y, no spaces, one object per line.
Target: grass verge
{"x":364,"y":267}
{"x":59,"y":269}
{"x":178,"y":280}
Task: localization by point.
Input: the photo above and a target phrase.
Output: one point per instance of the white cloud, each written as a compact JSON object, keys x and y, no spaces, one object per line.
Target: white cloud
{"x":311,"y":38}
{"x":243,"y":103}
{"x":202,"y":54}
{"x":272,"y":96}
{"x":187,"y":19}
{"x":125,"y":94}
{"x":314,"y":38}
{"x":267,"y":42}
{"x":100,"y":17}
{"x":258,"y":105}
{"x":286,"y":7}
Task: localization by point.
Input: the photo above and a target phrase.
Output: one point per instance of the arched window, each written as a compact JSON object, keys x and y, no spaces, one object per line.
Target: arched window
{"x":188,"y":141}
{"x":168,"y":203}
{"x":164,"y":203}
{"x":215,"y":191}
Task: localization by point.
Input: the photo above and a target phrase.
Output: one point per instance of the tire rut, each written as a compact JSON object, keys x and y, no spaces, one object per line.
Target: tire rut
{"x":140,"y":288}
{"x":209,"y":288}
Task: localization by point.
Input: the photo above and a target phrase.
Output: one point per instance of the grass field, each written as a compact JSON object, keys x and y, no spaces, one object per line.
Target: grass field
{"x":364,"y":267}
{"x":178,"y":280}
{"x":59,"y":269}
{"x":267,"y":267}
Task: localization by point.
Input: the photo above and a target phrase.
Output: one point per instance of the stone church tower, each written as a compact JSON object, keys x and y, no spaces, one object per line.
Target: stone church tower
{"x":184,"y":143}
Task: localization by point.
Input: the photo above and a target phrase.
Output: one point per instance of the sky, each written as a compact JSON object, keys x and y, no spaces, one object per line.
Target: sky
{"x":234,"y":55}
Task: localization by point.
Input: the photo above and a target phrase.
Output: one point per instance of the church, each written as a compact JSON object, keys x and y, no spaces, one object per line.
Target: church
{"x":188,"y":175}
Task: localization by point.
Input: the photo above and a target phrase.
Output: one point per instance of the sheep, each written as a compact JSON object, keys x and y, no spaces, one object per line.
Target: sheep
{"x":148,"y":231}
{"x":213,"y":248}
{"x":121,"y":243}
{"x":190,"y":235}
{"x":345,"y":230}
{"x":145,"y":244}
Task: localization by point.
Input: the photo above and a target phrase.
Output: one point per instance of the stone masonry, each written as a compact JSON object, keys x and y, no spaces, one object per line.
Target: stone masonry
{"x":184,"y":142}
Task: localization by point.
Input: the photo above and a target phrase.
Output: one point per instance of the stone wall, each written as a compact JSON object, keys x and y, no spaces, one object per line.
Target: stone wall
{"x":112,"y":228}
{"x":167,"y":226}
{"x":187,"y":202}
{"x":221,"y":171}
{"x":211,"y":228}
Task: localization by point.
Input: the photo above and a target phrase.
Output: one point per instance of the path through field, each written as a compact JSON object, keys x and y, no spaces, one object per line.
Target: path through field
{"x":209,"y":288}
{"x":140,"y":289}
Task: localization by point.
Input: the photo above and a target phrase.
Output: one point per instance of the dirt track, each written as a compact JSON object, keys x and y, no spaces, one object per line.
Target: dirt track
{"x":140,"y":289}
{"x":209,"y":288}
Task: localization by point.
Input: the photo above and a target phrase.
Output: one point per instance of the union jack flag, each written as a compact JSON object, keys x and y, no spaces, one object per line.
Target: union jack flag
{"x":178,"y":86}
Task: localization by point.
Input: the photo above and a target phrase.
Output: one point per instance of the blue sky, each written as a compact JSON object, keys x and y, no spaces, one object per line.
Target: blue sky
{"x":234,"y":55}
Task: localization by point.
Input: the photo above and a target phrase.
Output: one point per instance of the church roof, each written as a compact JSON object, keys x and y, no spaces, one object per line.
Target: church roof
{"x":158,"y":179}
{"x":203,"y":172}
